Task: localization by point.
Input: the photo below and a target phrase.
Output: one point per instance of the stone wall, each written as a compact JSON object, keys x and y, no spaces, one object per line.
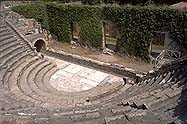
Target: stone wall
{"x":28,"y":27}
{"x":111,"y":68}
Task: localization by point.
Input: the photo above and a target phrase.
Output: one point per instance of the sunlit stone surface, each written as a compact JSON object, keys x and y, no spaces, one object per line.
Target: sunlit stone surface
{"x":73,"y":78}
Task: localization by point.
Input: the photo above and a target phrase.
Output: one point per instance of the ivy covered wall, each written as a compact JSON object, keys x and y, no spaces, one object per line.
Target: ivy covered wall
{"x":88,"y":18}
{"x":37,"y":11}
{"x":136,"y":24}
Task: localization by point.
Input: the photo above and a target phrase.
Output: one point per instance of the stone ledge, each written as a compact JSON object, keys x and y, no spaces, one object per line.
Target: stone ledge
{"x":106,"y":92}
{"x":20,"y":35}
{"x":111,"y":68}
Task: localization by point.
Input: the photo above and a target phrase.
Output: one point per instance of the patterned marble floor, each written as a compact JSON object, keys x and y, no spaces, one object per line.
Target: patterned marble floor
{"x":73,"y":78}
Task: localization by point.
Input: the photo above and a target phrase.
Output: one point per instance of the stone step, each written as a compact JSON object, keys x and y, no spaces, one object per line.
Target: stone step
{"x":142,"y":89}
{"x":46,"y":78}
{"x":13,"y":105}
{"x":149,"y":104}
{"x":7,"y":45}
{"x":82,"y":116}
{"x":135,"y":113}
{"x":11,"y":58}
{"x":10,"y":51}
{"x":118,"y":119}
{"x":22,"y":59}
{"x":8,"y":41}
{"x":159,"y":96}
{"x":12,"y":81}
{"x":3,"y":25}
{"x":58,"y":98}
{"x":7,"y":37}
{"x":32,"y":83}
{"x":3,"y":29}
{"x":177,"y":82}
{"x":5,"y":33}
{"x":39,"y":79}
{"x":154,"y":83}
{"x":177,"y":74}
{"x":14,"y":56}
{"x":79,"y":117}
{"x":94,"y":121}
{"x":167,"y":104}
{"x":121,"y":110}
{"x":46,"y":81}
{"x":172,"y":80}
{"x":94,"y":94}
{"x":105,"y":92}
{"x":39,"y":93}
{"x":182,"y":82}
{"x":124,"y":88}
{"x":167,"y":77}
{"x":139,"y":88}
{"x":2,"y":73}
{"x":13,"y":65}
{"x":33,"y":76}
{"x":161,"y":82}
{"x":23,"y":85}
{"x":133,"y":91}
{"x":8,"y":98}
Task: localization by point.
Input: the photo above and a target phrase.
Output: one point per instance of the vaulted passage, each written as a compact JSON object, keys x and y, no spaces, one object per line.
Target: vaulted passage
{"x":39,"y":44}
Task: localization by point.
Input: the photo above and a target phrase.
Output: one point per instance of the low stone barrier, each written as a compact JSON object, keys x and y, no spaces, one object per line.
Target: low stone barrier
{"x":111,"y":68}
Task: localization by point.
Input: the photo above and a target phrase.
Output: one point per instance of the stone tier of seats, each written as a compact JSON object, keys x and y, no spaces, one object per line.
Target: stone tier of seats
{"x":12,"y":51}
{"x":25,"y":76}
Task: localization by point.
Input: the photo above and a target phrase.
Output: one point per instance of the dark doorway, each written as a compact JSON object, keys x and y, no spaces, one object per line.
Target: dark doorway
{"x":157,"y":45}
{"x":74,"y":31}
{"x":110,"y":33}
{"x":39,"y":44}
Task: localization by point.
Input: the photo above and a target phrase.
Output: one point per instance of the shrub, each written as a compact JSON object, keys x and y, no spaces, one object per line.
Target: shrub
{"x":91,"y":2}
{"x":136,"y":24}
{"x":37,"y":11}
{"x":87,"y":17}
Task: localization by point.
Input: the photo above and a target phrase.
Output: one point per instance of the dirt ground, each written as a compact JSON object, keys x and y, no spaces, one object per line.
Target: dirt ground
{"x":100,"y":56}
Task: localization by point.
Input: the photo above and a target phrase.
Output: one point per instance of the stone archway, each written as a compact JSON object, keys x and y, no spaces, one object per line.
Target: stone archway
{"x":39,"y":44}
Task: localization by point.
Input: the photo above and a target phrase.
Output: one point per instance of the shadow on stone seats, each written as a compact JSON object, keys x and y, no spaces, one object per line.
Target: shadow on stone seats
{"x":180,"y":111}
{"x":39,"y":44}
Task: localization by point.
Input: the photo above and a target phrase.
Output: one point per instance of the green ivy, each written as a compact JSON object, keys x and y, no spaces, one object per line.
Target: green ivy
{"x":91,"y":2}
{"x":136,"y":24}
{"x":37,"y":11}
{"x":87,"y":17}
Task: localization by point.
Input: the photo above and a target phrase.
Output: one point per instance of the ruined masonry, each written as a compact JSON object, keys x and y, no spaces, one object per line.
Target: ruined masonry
{"x":28,"y":96}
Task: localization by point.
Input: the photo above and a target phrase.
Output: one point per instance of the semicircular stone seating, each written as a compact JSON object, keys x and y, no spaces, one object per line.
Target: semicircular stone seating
{"x":25,"y":90}
{"x":26,"y":76}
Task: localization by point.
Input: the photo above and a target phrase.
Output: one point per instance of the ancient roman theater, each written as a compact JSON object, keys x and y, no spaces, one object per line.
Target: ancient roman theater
{"x":61,"y":88}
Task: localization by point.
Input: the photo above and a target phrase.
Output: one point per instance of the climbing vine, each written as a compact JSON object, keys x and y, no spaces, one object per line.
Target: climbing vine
{"x":136,"y":24}
{"x":87,"y":17}
{"x":37,"y":11}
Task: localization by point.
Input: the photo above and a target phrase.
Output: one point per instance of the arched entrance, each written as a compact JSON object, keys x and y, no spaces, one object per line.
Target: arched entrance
{"x":39,"y":44}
